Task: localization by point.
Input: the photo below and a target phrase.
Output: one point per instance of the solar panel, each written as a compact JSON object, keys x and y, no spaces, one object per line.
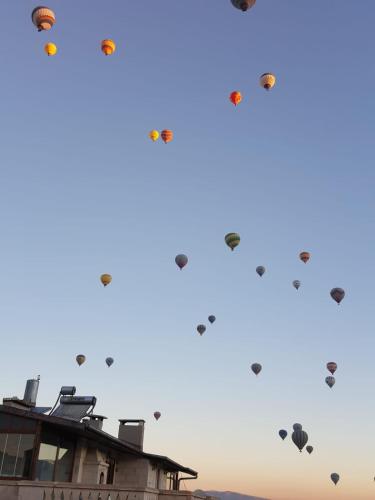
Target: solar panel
{"x":74,"y":407}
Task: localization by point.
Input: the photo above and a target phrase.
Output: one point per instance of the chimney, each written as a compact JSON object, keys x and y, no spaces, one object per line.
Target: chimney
{"x":96,"y":421}
{"x":132,"y":432}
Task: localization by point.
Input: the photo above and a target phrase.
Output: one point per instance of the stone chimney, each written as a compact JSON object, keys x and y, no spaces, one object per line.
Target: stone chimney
{"x":96,"y":421}
{"x":132,"y":432}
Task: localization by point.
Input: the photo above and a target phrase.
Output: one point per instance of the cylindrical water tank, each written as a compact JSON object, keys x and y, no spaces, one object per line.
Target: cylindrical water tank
{"x":31,"y":391}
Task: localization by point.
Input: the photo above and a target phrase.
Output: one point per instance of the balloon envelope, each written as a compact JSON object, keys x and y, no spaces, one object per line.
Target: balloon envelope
{"x":337,"y":294}
{"x":108,"y":47}
{"x":256,"y":368}
{"x":330,"y":381}
{"x":300,"y":438}
{"x":154,"y":135}
{"x":157,"y":415}
{"x":335,"y":477}
{"x":106,"y":279}
{"x":43,"y":18}
{"x":81,"y":358}
{"x":297,"y":427}
{"x":260,"y":270}
{"x":267,"y":81}
{"x":309,"y":449}
{"x":201,"y":329}
{"x":243,"y":5}
{"x":304,"y":256}
{"x":109,"y":361}
{"x":167,"y":135}
{"x":211,"y":319}
{"x":296,"y":284}
{"x":283,"y":434}
{"x":235,"y":97}
{"x":181,"y":260}
{"x":232,"y":240}
{"x":332,"y":367}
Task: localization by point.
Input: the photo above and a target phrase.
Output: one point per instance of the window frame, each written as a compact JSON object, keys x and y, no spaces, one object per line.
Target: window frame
{"x":30,"y":475}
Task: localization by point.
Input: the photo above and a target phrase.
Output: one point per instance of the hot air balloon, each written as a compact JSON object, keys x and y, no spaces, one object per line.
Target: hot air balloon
{"x":332,"y":367}
{"x":297,"y":427}
{"x":296,"y":284}
{"x":211,"y":319}
{"x":337,"y":294}
{"x":330,"y":381}
{"x":304,"y":256}
{"x":309,"y":449}
{"x":300,"y":438}
{"x":157,"y":415}
{"x":50,"y":49}
{"x":154,"y":135}
{"x":109,"y":361}
{"x":283,"y":434}
{"x":232,"y":240}
{"x":267,"y":81}
{"x":256,"y":368}
{"x":167,"y":135}
{"x":106,"y":279}
{"x":181,"y":260}
{"x":43,"y":18}
{"x":81,"y":358}
{"x":108,"y":47}
{"x":235,"y":97}
{"x":243,"y":5}
{"x":335,"y":477}
{"x":260,"y":270}
{"x":201,"y":329}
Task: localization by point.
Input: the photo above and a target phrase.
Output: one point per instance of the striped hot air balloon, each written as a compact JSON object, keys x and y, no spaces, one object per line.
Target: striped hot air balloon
{"x":267,"y":81}
{"x":167,"y":135}
{"x":300,"y":438}
{"x":43,"y":18}
{"x":232,"y":240}
{"x":108,"y":47}
{"x":243,"y":5}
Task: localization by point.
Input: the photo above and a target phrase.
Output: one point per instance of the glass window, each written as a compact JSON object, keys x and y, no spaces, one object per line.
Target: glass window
{"x":55,"y":460}
{"x":15,"y":454}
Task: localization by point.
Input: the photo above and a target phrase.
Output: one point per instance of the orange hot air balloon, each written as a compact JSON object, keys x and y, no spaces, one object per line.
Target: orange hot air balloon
{"x":304,"y":256}
{"x":108,"y":47}
{"x":235,"y":97}
{"x":167,"y":136}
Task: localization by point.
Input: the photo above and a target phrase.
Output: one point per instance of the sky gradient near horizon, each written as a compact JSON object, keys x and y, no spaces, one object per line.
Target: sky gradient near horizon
{"x":83,"y":191}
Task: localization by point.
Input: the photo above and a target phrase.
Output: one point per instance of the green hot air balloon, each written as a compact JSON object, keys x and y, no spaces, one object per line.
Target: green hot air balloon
{"x":232,"y":240}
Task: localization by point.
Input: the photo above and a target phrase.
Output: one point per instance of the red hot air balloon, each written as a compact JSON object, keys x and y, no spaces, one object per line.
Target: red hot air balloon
{"x":332,"y":367}
{"x":167,"y":135}
{"x":235,"y":97}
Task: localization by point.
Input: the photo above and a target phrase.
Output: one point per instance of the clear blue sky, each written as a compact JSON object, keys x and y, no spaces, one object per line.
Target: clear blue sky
{"x":83,"y":191}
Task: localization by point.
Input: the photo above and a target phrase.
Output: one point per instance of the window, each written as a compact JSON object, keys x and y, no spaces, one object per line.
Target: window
{"x":16,"y":451}
{"x":55,"y":459}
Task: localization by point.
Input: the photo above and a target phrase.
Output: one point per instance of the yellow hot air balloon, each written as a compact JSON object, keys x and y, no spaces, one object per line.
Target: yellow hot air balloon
{"x":108,"y":47}
{"x":50,"y":49}
{"x":106,"y":279}
{"x":267,"y":81}
{"x":154,"y":135}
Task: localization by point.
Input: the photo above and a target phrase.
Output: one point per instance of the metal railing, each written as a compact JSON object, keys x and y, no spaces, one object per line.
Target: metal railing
{"x":86,"y":495}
